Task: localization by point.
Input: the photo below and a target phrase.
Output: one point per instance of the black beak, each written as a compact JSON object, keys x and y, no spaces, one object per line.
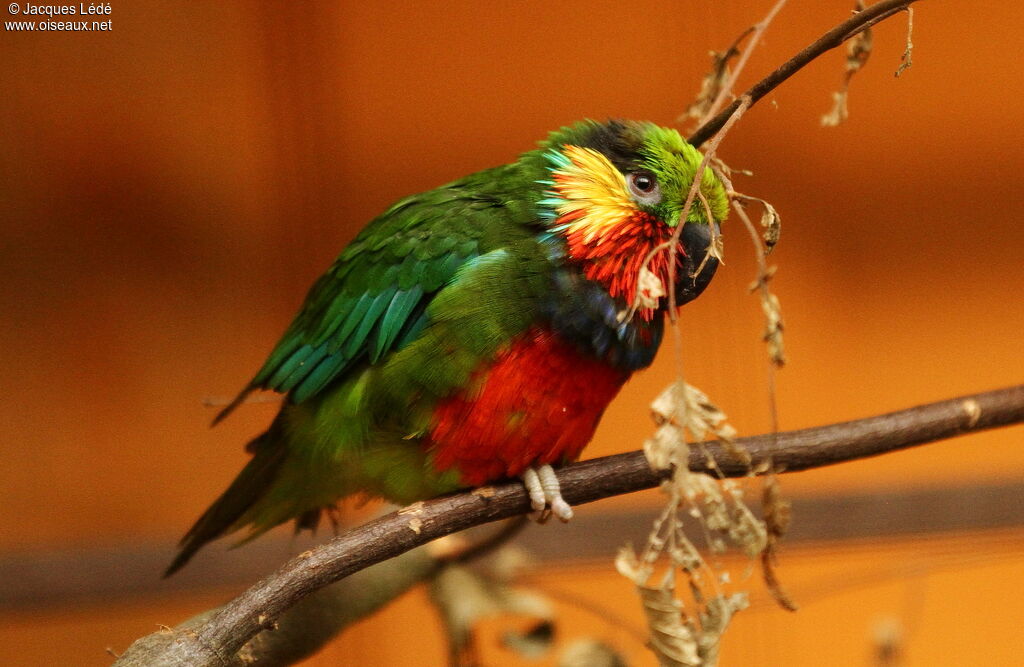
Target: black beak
{"x":696,"y":239}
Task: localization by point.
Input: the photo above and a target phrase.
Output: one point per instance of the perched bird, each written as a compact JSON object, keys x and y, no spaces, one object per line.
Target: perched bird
{"x":477,"y":331}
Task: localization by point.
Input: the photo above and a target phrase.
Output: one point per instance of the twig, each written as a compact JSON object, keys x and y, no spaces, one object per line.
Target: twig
{"x":714,"y":81}
{"x":216,"y":641}
{"x":907,"y":57}
{"x":755,"y":31}
{"x":737,"y":112}
{"x":830,"y":40}
{"x":672,"y":245}
{"x":713,"y":245}
{"x":773,"y":325}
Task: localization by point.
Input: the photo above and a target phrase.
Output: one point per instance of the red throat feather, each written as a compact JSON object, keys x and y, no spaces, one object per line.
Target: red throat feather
{"x":616,"y":258}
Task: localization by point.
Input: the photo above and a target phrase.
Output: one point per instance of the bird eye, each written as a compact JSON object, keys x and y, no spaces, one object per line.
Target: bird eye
{"x":644,"y":186}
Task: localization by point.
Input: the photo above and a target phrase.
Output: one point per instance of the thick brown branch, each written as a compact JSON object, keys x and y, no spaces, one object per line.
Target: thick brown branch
{"x":216,"y":641}
{"x":830,"y":40}
{"x":305,"y":627}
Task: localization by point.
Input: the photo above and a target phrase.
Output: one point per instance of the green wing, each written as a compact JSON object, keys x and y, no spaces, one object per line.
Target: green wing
{"x":374,"y":297}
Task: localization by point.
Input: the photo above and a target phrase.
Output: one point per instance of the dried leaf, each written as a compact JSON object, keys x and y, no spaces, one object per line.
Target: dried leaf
{"x":464,"y":597}
{"x":532,"y":644}
{"x":714,"y":82}
{"x":649,"y":289}
{"x":772,"y":223}
{"x":660,"y":449}
{"x":673,"y":639}
{"x":716,"y":505}
{"x":713,"y":622}
{"x":630,"y":566}
{"x":858,"y":50}
{"x":711,"y":85}
{"x":684,"y":407}
{"x":590,"y":653}
{"x":684,"y":554}
{"x":906,"y":60}
{"x":510,"y":562}
{"x":777,"y":516}
{"x":839,"y":111}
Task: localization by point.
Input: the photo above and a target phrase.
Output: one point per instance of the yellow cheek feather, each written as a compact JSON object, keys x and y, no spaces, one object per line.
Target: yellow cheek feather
{"x":590,"y":195}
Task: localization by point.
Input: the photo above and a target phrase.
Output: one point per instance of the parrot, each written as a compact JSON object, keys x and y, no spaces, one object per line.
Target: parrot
{"x":477,"y":331}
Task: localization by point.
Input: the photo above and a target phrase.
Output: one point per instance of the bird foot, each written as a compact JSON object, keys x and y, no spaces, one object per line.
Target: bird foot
{"x":545,"y":495}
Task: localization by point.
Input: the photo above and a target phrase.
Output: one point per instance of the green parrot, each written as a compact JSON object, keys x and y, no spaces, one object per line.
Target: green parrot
{"x":477,"y":331}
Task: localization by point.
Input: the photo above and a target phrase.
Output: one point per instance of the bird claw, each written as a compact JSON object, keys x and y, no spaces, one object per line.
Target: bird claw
{"x":545,"y":495}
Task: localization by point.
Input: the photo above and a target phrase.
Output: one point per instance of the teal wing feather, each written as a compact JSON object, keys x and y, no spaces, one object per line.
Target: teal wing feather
{"x":374,"y":298}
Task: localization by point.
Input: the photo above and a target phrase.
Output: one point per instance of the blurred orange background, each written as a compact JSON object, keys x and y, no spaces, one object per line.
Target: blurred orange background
{"x":170,"y":189}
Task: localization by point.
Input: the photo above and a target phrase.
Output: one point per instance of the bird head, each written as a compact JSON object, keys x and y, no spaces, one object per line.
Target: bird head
{"x":615,"y":196}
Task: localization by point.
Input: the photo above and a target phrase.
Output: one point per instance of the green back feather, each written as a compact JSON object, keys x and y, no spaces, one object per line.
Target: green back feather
{"x":374,"y":298}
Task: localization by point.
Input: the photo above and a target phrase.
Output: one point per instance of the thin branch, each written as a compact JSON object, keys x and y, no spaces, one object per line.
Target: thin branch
{"x":769,"y":304}
{"x":756,"y":31}
{"x":218,"y":639}
{"x":830,"y":40}
{"x":741,"y":106}
{"x":714,"y":82}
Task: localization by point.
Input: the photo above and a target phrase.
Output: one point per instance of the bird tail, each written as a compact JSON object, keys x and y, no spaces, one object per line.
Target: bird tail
{"x":247,"y":489}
